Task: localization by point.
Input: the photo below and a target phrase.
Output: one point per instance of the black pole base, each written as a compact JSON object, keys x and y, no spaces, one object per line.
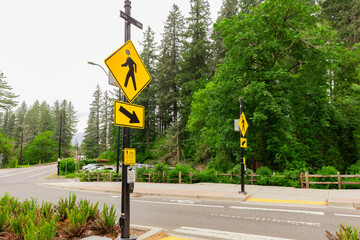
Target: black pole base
{"x":129,"y":238}
{"x":242,"y":192}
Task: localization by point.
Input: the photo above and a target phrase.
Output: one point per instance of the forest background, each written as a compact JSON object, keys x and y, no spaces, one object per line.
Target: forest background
{"x":296,"y":65}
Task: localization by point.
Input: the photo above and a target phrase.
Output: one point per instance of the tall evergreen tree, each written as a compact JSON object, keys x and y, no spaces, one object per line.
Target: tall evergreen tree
{"x":20,"y":121}
{"x":169,"y":67}
{"x":32,"y":121}
{"x":7,"y":98}
{"x":46,"y":118}
{"x":92,"y":136}
{"x":229,"y":9}
{"x":147,"y":98}
{"x":107,"y":119}
{"x":195,"y":65}
{"x":344,"y":16}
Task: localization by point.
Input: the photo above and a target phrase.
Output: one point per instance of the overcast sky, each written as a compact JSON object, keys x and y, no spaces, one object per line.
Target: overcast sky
{"x":45,"y":44}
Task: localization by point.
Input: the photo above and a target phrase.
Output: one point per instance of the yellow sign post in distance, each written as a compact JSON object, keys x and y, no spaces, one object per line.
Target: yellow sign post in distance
{"x":128,"y":70}
{"x":243,"y":142}
{"x":243,"y":125}
{"x":129,"y":156}
{"x":129,"y":115}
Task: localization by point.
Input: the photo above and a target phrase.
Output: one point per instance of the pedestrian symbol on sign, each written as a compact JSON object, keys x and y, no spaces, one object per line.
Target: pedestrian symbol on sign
{"x":130,"y":63}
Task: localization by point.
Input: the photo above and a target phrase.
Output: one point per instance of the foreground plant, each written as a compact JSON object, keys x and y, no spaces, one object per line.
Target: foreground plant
{"x":345,"y":233}
{"x":105,"y":222}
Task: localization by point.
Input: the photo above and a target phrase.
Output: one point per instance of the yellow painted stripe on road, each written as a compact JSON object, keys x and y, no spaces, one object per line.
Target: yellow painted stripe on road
{"x":174,"y":238}
{"x":285,"y":201}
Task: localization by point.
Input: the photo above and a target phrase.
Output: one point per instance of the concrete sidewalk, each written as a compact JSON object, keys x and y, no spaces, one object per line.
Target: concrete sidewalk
{"x":214,"y":191}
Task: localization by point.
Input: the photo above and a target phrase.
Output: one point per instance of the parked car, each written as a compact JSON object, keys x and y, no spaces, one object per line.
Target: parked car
{"x":92,"y":166}
{"x":141,"y":165}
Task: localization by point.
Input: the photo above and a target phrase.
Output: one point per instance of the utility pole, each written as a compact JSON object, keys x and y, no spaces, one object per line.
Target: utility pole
{"x":59,"y":144}
{"x":22,"y":142}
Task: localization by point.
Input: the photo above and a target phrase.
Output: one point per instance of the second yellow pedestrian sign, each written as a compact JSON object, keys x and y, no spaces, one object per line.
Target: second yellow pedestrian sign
{"x":128,"y":70}
{"x":129,"y":115}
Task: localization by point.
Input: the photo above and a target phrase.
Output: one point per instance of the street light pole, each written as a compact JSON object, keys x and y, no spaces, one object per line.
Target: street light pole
{"x":118,"y":128}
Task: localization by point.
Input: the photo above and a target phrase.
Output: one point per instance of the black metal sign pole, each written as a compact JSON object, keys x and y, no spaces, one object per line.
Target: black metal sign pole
{"x":242,"y":158}
{"x":125,"y":194}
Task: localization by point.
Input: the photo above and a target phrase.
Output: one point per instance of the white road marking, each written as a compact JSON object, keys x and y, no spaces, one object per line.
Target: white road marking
{"x":346,"y":215}
{"x":311,"y":224}
{"x":52,"y":170}
{"x":182,"y":201}
{"x":223,"y":234}
{"x":279,"y":210}
{"x":179,"y":204}
{"x":118,"y":196}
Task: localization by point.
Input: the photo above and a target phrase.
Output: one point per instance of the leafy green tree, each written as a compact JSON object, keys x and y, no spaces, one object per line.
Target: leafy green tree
{"x":7,"y":98}
{"x":277,"y":59}
{"x":43,"y":148}
{"x":6,"y":149}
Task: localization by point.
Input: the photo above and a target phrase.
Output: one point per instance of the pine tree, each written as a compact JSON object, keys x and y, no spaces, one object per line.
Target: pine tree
{"x":32,"y":121}
{"x":169,"y":68}
{"x":20,"y":117}
{"x":46,"y":118}
{"x":195,"y":65}
{"x":147,"y":98}
{"x":7,"y":98}
{"x":229,"y":9}
{"x":106,"y":120}
{"x":92,"y":136}
{"x":344,"y":16}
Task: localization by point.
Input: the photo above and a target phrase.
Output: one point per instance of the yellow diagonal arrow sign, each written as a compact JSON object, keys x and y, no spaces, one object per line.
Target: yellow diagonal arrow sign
{"x":129,"y":115}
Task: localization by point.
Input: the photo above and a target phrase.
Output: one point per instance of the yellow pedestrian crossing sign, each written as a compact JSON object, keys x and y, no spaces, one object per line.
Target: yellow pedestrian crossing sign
{"x":243,"y":125}
{"x":128,"y":70}
{"x":129,"y":115}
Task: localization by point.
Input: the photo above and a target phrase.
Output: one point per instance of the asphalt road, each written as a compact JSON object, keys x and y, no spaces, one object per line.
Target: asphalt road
{"x":194,"y":218}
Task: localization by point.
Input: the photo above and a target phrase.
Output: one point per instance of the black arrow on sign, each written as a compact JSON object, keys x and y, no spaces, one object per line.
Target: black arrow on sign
{"x":243,"y":143}
{"x":132,"y":116}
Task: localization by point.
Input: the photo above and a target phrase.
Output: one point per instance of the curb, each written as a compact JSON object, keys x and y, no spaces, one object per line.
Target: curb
{"x":234,"y":197}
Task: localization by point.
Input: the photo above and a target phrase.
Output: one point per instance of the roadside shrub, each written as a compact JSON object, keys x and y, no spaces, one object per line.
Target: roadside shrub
{"x":157,"y":172}
{"x":174,"y":173}
{"x":13,"y":163}
{"x":77,"y":220}
{"x":4,"y":212}
{"x":325,"y":170}
{"x":209,"y":175}
{"x":67,"y":165}
{"x":140,"y":173}
{"x":265,"y":176}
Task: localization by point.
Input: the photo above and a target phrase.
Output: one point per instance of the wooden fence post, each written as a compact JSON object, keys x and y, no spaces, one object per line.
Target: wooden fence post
{"x":163,"y":177}
{"x":179,"y":177}
{"x":302,"y":180}
{"x":307,"y":179}
{"x":110,"y":176}
{"x":339,"y":180}
{"x":252,"y":178}
{"x":98,"y":177}
{"x":190,"y":177}
{"x":89,"y":177}
{"x":149,"y":177}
